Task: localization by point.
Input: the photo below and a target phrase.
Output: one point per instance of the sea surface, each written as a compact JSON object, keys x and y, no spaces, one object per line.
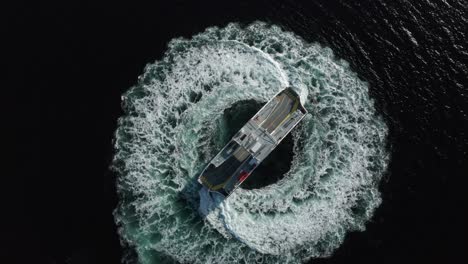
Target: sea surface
{"x":385,"y":86}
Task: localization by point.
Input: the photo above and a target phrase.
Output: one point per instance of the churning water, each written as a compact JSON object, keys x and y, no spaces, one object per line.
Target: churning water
{"x":174,"y":124}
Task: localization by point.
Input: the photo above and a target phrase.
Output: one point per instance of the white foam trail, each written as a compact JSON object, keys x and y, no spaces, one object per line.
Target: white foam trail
{"x":167,"y":137}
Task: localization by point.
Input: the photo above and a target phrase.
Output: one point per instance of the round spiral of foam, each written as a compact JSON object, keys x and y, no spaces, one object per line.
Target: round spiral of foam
{"x":167,"y":135}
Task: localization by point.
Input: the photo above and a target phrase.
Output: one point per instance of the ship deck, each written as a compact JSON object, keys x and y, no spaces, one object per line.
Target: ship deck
{"x":253,"y":143}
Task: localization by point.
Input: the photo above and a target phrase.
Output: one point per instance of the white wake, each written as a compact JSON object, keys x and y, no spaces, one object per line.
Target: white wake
{"x":165,"y":139}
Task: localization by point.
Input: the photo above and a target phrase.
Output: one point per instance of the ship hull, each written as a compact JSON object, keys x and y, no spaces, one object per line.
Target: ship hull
{"x":253,"y":143}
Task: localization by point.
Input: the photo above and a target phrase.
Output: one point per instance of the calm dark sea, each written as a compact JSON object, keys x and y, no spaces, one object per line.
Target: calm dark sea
{"x":77,"y":58}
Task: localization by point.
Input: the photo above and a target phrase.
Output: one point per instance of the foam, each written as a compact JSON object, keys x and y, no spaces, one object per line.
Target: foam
{"x":163,"y":142}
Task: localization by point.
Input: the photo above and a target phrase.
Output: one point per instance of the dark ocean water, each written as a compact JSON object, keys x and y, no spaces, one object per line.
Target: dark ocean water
{"x":80,"y":57}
